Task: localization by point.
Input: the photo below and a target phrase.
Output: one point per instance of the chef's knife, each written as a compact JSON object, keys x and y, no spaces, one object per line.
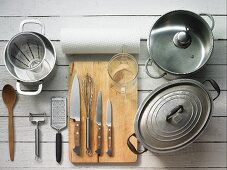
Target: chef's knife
{"x":75,"y":111}
{"x":109,"y":127}
{"x":99,"y":122}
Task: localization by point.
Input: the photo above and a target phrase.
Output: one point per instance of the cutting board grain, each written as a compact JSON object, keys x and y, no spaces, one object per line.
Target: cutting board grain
{"x":123,"y":112}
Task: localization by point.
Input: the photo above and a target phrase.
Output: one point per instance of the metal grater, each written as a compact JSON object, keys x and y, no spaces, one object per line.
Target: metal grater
{"x":58,"y":121}
{"x":58,"y":113}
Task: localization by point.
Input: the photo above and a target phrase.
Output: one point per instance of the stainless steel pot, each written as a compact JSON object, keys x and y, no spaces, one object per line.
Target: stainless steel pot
{"x":30,"y":58}
{"x":173,"y":116}
{"x":179,"y":44}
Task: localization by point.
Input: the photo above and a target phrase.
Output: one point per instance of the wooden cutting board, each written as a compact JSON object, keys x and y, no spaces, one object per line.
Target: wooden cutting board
{"x":123,"y":112}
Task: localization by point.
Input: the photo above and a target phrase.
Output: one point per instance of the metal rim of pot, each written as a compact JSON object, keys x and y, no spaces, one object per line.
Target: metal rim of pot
{"x":137,"y":133}
{"x":151,"y":60}
{"x":51,"y":50}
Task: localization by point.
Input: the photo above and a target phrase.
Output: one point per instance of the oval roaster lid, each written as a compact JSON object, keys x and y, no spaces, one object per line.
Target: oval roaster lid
{"x":177,"y":44}
{"x":173,"y":115}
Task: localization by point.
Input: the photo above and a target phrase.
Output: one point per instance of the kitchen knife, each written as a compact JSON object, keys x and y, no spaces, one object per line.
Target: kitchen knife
{"x":99,"y":122}
{"x":75,"y":111}
{"x":109,"y":127}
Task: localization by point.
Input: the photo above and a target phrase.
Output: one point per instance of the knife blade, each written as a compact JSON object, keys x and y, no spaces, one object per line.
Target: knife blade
{"x":109,"y":127}
{"x":75,"y":111}
{"x":99,"y":122}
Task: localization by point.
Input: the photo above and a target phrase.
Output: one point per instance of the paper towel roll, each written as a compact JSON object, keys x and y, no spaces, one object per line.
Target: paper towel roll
{"x":99,"y":41}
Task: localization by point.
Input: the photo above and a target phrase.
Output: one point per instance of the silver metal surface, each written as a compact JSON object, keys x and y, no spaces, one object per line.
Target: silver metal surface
{"x":180,"y":43}
{"x":99,"y":109}
{"x":38,"y":71}
{"x":37,"y":119}
{"x":26,"y":51}
{"x":109,"y":113}
{"x":182,"y":39}
{"x":75,"y":99}
{"x":158,"y":134}
{"x":58,"y":113}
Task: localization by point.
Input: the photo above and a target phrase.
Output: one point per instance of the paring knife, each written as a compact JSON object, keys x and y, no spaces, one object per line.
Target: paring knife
{"x":75,"y":111}
{"x":109,"y":127}
{"x":99,"y":122}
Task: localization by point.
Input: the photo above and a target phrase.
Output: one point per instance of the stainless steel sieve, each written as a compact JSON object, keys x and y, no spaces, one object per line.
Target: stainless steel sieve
{"x":26,"y":51}
{"x":30,"y":57}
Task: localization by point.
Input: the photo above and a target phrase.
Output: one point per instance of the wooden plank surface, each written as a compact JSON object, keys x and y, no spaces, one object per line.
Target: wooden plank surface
{"x":123,"y":111}
{"x":41,"y":103}
{"x":208,"y":151}
{"x":216,"y":72}
{"x":53,"y":25}
{"x":102,"y":7}
{"x":196,"y":155}
{"x":218,"y":56}
{"x":24,"y":131}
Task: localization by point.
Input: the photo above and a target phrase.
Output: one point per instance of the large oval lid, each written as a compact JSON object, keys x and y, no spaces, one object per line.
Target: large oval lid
{"x":173,"y":115}
{"x":180,"y":42}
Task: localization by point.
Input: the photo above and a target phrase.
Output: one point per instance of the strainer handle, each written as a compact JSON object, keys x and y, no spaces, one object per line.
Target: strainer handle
{"x":32,"y":21}
{"x":29,"y":93}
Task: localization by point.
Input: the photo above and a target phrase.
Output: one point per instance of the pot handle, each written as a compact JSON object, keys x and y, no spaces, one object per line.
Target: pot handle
{"x":147,"y":71}
{"x":33,"y":21}
{"x":132,"y":148}
{"x":215,"y":86}
{"x":211,"y":18}
{"x":29,"y":93}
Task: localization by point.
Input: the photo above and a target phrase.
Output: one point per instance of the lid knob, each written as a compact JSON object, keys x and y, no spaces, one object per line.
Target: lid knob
{"x":182,"y":39}
{"x":173,"y":112}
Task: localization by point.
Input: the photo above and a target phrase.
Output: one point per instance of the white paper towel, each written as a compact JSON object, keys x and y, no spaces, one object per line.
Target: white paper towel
{"x":99,"y":40}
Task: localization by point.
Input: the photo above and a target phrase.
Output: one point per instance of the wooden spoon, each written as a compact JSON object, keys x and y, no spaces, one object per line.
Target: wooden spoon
{"x":9,"y":98}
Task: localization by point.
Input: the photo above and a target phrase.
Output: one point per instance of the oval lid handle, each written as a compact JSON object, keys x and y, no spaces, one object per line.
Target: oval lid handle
{"x":177,"y":109}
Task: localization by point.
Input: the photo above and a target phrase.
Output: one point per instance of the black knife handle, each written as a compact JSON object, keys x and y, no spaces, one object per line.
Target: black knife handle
{"x":109,"y":140}
{"x":58,"y":147}
{"x":77,"y":138}
{"x":99,"y":140}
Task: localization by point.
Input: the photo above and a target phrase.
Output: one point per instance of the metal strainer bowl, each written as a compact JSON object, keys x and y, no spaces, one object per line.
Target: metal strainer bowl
{"x":30,"y":58}
{"x":26,"y":51}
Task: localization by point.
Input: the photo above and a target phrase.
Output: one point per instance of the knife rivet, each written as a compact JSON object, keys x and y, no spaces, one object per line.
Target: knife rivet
{"x":77,"y":133}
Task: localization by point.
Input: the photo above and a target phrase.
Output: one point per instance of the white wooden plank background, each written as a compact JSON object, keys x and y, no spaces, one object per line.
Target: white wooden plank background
{"x":207,"y":152}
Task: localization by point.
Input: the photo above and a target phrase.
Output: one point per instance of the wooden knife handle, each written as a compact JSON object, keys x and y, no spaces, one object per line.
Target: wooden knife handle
{"x":109,"y":140}
{"x":99,"y":140}
{"x":11,"y":134}
{"x":77,"y":138}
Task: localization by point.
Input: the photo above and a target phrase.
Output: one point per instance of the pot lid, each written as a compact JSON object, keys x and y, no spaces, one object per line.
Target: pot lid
{"x":173,"y":115}
{"x":180,"y":42}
